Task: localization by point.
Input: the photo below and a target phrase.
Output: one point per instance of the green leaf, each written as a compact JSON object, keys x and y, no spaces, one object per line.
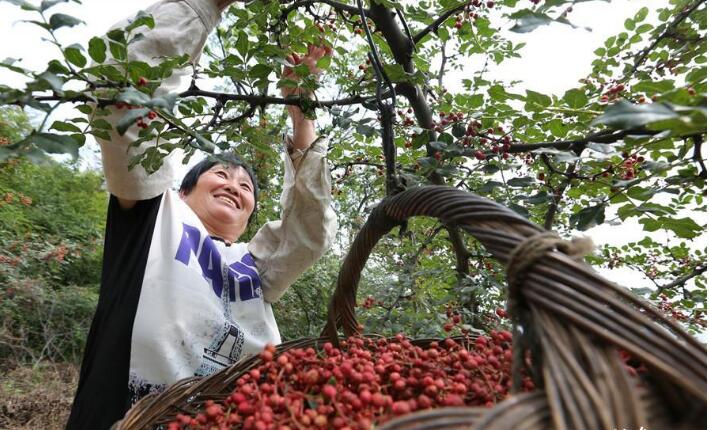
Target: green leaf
{"x":74,"y":56}
{"x":101,"y":124}
{"x":55,"y":143}
{"x":396,"y":73}
{"x":536,"y":101}
{"x":683,"y":227}
{"x":59,"y":20}
{"x":625,"y":115}
{"x":575,"y":98}
{"x":366,"y":130}
{"x":588,"y":217}
{"x":260,"y":71}
{"x":644,"y":28}
{"x":118,"y":51}
{"x":242,"y":44}
{"x":557,"y":127}
{"x":8,"y":64}
{"x":46,"y":4}
{"x":654,"y":87}
{"x":324,"y":62}
{"x":520,"y":182}
{"x":629,"y":24}
{"x":142,"y":18}
{"x":23,"y":4}
{"x":527,"y":20}
{"x":133,"y":97}
{"x":129,"y":119}
{"x":490,"y":186}
{"x":65,"y":126}
{"x":420,"y":140}
{"x":54,"y":81}
{"x":458,"y":130}
{"x":117,"y":35}
{"x":539,"y":198}
{"x":641,"y":14}
{"x":97,"y":49}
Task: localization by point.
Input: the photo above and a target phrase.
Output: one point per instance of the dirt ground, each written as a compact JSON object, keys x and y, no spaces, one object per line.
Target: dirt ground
{"x":37,"y":397}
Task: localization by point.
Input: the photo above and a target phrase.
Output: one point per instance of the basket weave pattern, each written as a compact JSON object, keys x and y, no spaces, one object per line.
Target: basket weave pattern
{"x":572,"y":322}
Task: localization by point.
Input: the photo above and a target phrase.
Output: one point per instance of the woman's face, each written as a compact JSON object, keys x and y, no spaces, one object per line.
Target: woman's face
{"x":223,"y":199}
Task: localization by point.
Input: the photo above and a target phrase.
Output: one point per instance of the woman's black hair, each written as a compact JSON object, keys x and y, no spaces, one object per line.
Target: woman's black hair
{"x":227,"y":159}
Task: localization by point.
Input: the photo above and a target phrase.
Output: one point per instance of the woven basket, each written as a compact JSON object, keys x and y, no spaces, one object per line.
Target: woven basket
{"x":571,"y":321}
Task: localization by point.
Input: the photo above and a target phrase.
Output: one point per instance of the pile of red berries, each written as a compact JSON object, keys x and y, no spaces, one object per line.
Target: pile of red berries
{"x":366,"y":381}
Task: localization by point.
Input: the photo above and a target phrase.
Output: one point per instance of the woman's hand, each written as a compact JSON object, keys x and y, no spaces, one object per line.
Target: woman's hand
{"x":303,"y":128}
{"x":315,"y":53}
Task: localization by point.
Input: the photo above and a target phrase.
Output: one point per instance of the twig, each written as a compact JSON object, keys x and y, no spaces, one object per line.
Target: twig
{"x":437,"y":23}
{"x":669,"y":32}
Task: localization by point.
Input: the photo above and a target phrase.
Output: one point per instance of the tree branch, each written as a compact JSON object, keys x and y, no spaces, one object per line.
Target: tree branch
{"x":558,"y":194}
{"x":335,"y":5}
{"x":437,"y":23}
{"x":681,"y":280}
{"x":605,"y":136}
{"x":697,"y":155}
{"x":669,"y":32}
{"x":253,"y":99}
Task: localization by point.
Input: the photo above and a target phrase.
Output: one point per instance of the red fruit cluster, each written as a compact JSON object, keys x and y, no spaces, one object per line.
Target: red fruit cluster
{"x":630,"y":164}
{"x":487,"y":140}
{"x":369,"y":302}
{"x":613,"y":93}
{"x":668,"y":307}
{"x":447,"y":119}
{"x":454,"y":319}
{"x":329,"y":23}
{"x":366,"y":381}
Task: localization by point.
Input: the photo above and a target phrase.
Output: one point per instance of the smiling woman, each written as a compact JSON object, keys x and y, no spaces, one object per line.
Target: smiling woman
{"x":180,"y":296}
{"x":223,"y":193}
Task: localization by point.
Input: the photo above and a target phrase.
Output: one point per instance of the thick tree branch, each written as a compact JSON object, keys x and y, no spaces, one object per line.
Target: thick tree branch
{"x":681,"y":280}
{"x":253,"y":99}
{"x":402,"y":49}
{"x":605,"y":136}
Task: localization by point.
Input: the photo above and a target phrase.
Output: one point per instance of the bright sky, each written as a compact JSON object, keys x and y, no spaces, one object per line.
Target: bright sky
{"x":554,"y":59}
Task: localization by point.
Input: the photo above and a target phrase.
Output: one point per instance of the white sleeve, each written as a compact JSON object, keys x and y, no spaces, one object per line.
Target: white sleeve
{"x":284,"y":249}
{"x":181,"y":27}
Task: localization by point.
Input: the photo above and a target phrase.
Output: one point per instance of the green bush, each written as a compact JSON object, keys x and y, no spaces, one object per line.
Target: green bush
{"x":51,"y":226}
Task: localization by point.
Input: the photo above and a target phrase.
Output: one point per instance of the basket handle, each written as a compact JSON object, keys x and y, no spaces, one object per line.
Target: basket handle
{"x":497,"y":227}
{"x":567,"y":306}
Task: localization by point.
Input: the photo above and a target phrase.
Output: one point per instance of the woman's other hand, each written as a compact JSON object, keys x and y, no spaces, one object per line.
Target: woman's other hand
{"x":303,"y":128}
